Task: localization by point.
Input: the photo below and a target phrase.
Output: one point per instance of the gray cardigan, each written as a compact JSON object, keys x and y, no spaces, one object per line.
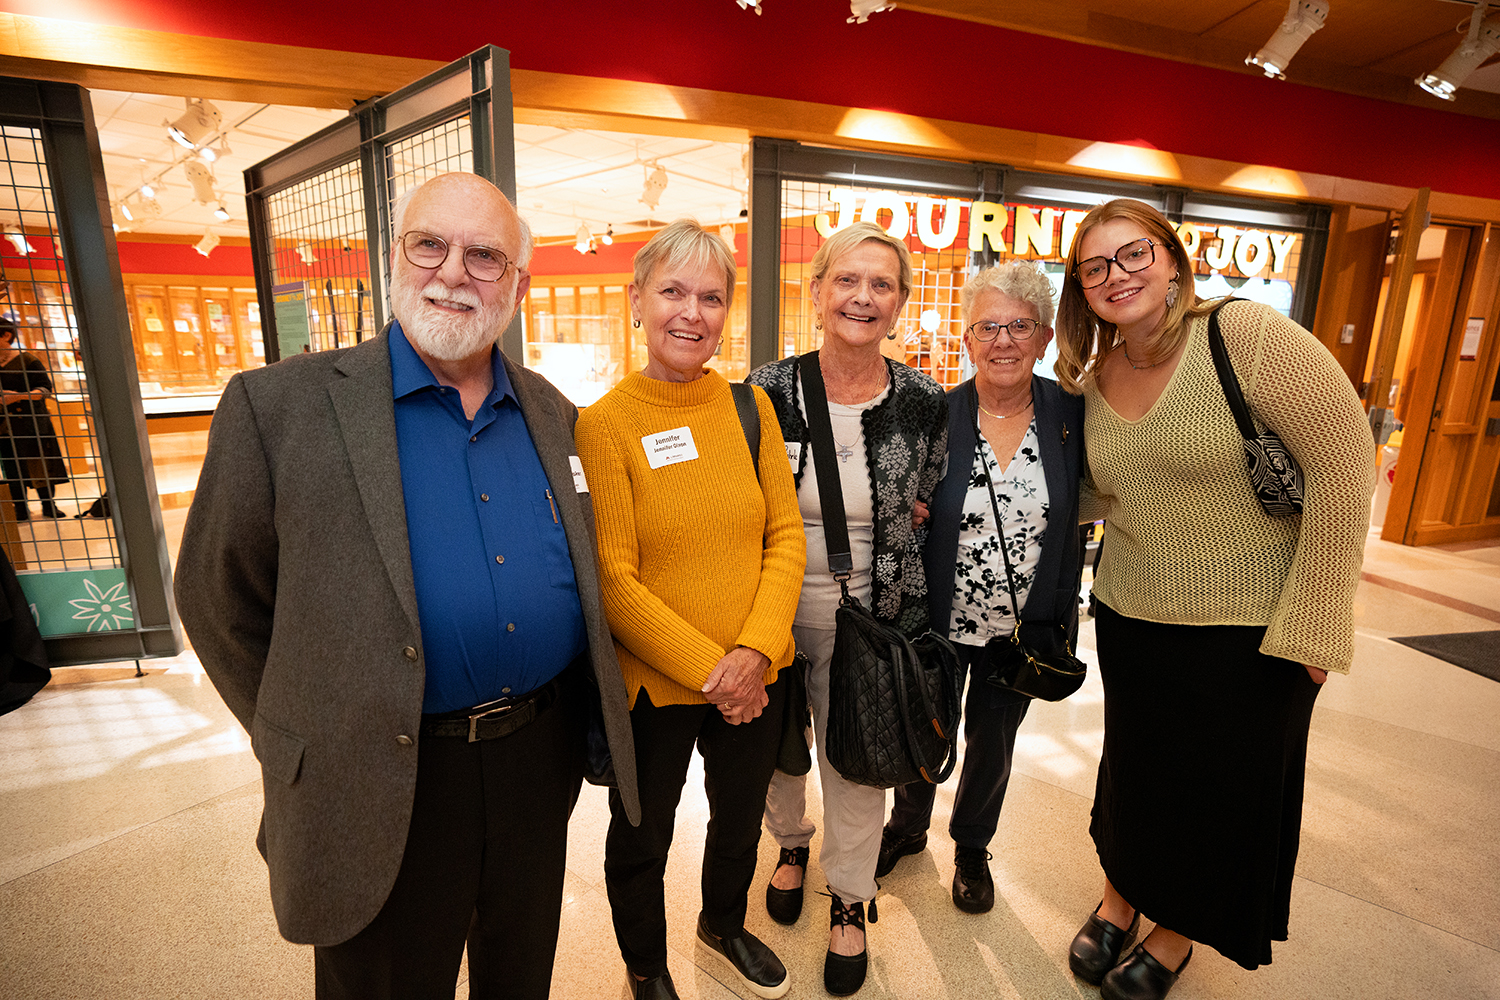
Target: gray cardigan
{"x":1059,"y":424}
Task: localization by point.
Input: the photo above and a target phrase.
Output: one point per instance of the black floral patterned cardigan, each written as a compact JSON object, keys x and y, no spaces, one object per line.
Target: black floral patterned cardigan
{"x":906,"y":448}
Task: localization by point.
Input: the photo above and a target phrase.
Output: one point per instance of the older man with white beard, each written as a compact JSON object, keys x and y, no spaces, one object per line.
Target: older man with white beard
{"x":388,"y":572}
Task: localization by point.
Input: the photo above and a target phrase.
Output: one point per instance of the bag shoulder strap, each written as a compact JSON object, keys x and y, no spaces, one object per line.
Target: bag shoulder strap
{"x":1227,"y":380}
{"x":1010,"y":580}
{"x":749,"y":413}
{"x":830,"y":489}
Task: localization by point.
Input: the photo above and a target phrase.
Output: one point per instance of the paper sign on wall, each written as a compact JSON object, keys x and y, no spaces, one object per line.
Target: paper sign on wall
{"x":1473,"y":331}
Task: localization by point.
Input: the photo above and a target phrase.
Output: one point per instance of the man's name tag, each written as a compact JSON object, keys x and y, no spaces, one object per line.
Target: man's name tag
{"x":669,"y":447}
{"x":793,"y":454}
{"x":580,"y":484}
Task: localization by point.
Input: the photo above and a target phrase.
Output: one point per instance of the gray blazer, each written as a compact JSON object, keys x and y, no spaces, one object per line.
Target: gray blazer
{"x":294,"y":583}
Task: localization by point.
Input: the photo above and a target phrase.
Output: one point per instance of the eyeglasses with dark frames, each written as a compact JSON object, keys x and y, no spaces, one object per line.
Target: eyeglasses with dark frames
{"x":1020,"y":329}
{"x":429,"y":252}
{"x":1137,"y":255}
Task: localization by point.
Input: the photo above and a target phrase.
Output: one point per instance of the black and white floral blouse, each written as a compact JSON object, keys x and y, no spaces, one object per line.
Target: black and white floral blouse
{"x":981,"y":599}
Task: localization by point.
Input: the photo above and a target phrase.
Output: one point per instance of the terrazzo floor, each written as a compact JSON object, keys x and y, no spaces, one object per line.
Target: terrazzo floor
{"x":128,"y":867}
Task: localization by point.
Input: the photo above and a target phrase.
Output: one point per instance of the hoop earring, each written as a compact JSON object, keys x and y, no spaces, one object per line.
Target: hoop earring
{"x":636,"y":323}
{"x":1172,"y":290}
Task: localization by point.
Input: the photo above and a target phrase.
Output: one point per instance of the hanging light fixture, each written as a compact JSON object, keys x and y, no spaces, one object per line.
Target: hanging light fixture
{"x":200,"y":121}
{"x":1481,"y":42}
{"x":1303,"y":17}
{"x":656,"y":183}
{"x":206,"y":245}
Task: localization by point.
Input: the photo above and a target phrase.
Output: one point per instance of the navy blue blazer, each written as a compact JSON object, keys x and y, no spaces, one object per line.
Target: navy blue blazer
{"x":1059,"y":425}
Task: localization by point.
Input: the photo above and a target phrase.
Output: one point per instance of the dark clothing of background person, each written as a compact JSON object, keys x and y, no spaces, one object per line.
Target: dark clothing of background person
{"x":29,"y":452}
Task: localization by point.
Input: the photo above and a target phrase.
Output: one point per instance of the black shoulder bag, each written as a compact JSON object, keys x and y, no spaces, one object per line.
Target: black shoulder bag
{"x":1275,"y":476}
{"x":793,"y":756}
{"x":1035,"y":659}
{"x":893,"y":705}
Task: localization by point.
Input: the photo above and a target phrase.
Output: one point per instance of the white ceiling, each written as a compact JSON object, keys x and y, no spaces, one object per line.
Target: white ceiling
{"x":563,"y":176}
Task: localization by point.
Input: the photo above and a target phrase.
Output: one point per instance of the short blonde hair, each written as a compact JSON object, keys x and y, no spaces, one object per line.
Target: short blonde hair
{"x":1020,"y":279}
{"x":684,"y":243}
{"x":1082,"y":337}
{"x":853,"y":235}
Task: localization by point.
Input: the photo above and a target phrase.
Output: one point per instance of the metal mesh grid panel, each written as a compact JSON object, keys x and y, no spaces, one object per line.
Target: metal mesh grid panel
{"x":317,"y":230}
{"x":419,"y":158}
{"x":48,"y":450}
{"x":927,"y":335}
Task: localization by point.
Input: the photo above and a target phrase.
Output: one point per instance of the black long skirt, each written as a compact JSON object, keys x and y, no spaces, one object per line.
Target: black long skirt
{"x":1198,"y":808}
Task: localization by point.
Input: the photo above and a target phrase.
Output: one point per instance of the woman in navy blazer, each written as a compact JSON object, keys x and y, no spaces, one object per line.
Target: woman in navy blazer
{"x":1026,"y":435}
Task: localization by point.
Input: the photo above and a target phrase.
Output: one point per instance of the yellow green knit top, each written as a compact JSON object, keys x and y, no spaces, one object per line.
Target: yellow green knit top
{"x":1187,"y":543}
{"x":695,"y":557}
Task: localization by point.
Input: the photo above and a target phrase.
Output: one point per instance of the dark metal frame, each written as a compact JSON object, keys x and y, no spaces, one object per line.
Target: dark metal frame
{"x":75,"y":172}
{"x":775,"y":160}
{"x":477,"y":85}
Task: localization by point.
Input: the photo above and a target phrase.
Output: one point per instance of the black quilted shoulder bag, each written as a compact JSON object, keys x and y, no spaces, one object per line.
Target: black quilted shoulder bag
{"x":893,"y":705}
{"x":1275,"y":476}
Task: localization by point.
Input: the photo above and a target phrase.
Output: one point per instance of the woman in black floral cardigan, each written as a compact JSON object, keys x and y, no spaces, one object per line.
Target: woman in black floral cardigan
{"x":1013,"y":428}
{"x":890,"y":425}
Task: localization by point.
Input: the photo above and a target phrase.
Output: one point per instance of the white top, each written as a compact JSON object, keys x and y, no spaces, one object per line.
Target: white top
{"x":981,"y":598}
{"x":820,"y":591}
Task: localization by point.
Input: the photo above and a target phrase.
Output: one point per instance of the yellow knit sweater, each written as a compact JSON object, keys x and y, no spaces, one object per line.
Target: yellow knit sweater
{"x":1187,"y":543}
{"x":695,"y":557}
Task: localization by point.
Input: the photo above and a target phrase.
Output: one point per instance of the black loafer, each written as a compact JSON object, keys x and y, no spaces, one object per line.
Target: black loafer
{"x":1097,"y":947}
{"x":785,"y":905}
{"x":894,"y":848}
{"x":750,"y":959}
{"x":845,"y":974}
{"x":1141,"y":977}
{"x":973,"y":886}
{"x":656,"y":988}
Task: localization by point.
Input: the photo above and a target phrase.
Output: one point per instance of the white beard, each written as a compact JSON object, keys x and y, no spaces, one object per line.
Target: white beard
{"x":442,"y":335}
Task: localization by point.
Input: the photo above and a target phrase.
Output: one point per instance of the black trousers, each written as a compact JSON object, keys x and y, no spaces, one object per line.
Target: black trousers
{"x":737,"y":766}
{"x":991,"y":718}
{"x":484,"y":864}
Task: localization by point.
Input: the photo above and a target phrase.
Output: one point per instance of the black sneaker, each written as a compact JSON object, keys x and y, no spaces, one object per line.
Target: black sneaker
{"x":750,"y":959}
{"x":894,"y":848}
{"x":973,"y":887}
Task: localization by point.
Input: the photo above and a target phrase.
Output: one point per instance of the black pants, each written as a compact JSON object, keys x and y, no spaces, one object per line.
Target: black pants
{"x":484,"y":865}
{"x":991,"y":718}
{"x":737,"y":766}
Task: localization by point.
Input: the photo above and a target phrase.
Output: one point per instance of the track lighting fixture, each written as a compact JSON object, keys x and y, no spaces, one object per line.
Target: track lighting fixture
{"x":202,"y":180}
{"x":122,"y":223}
{"x":749,"y":3}
{"x":200,"y":121}
{"x":1303,"y":17}
{"x":726,"y":233}
{"x":221,"y":213}
{"x":305,"y":251}
{"x":1481,"y":42}
{"x":209,"y":154}
{"x":608,"y":237}
{"x":126,"y":211}
{"x":584,"y":240}
{"x":17,"y":239}
{"x":206,"y":245}
{"x":862,"y":9}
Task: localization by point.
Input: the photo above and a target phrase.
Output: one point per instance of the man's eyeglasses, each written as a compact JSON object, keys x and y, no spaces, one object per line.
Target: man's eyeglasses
{"x":1020,"y":329}
{"x":428,"y":251}
{"x":1137,"y":255}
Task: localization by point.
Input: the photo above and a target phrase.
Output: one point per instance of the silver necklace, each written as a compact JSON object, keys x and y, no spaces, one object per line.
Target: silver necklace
{"x":1128,"y":360}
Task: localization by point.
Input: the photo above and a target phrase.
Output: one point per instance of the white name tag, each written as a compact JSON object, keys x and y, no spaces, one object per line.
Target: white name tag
{"x":793,"y":454}
{"x":669,"y":447}
{"x":580,"y":484}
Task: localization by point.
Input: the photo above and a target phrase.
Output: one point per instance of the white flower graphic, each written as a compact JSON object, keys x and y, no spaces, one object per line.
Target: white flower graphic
{"x":104,"y":610}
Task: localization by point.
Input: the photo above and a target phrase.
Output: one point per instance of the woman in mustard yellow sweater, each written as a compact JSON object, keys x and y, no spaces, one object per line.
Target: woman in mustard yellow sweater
{"x":701,"y":555}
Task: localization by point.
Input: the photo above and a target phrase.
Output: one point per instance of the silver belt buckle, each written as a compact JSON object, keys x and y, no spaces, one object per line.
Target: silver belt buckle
{"x":490,"y":709}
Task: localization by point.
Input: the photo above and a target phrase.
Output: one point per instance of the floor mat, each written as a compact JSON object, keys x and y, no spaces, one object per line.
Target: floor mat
{"x":1476,"y":651}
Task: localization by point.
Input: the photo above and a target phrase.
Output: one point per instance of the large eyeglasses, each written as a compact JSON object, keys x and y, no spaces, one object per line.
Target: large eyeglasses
{"x":1020,"y":329}
{"x":428,"y":251}
{"x":1137,"y":255}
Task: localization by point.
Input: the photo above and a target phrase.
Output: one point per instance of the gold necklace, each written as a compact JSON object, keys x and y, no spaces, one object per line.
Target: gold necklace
{"x":850,"y":388}
{"x":1131,"y":362}
{"x":1007,"y":416}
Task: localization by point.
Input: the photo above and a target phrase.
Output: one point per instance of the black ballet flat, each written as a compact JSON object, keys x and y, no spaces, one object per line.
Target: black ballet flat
{"x":1141,"y":977}
{"x":1097,"y":947}
{"x":785,"y":905}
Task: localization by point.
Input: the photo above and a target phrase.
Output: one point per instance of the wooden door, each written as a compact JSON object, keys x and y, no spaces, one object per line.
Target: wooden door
{"x":1446,"y":485}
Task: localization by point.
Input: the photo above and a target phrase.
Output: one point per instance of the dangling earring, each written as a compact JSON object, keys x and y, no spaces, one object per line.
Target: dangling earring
{"x":818,"y":323}
{"x":1172,"y":292}
{"x":636,"y":323}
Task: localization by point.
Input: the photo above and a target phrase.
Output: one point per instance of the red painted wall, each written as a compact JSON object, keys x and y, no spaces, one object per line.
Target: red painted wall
{"x":899,"y":61}
{"x":180,"y":258}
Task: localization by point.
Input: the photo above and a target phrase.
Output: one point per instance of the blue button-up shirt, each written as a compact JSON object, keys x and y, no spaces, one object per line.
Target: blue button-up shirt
{"x":496,"y":593}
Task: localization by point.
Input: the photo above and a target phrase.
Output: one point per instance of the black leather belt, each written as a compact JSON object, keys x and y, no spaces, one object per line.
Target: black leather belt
{"x":493,"y":719}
